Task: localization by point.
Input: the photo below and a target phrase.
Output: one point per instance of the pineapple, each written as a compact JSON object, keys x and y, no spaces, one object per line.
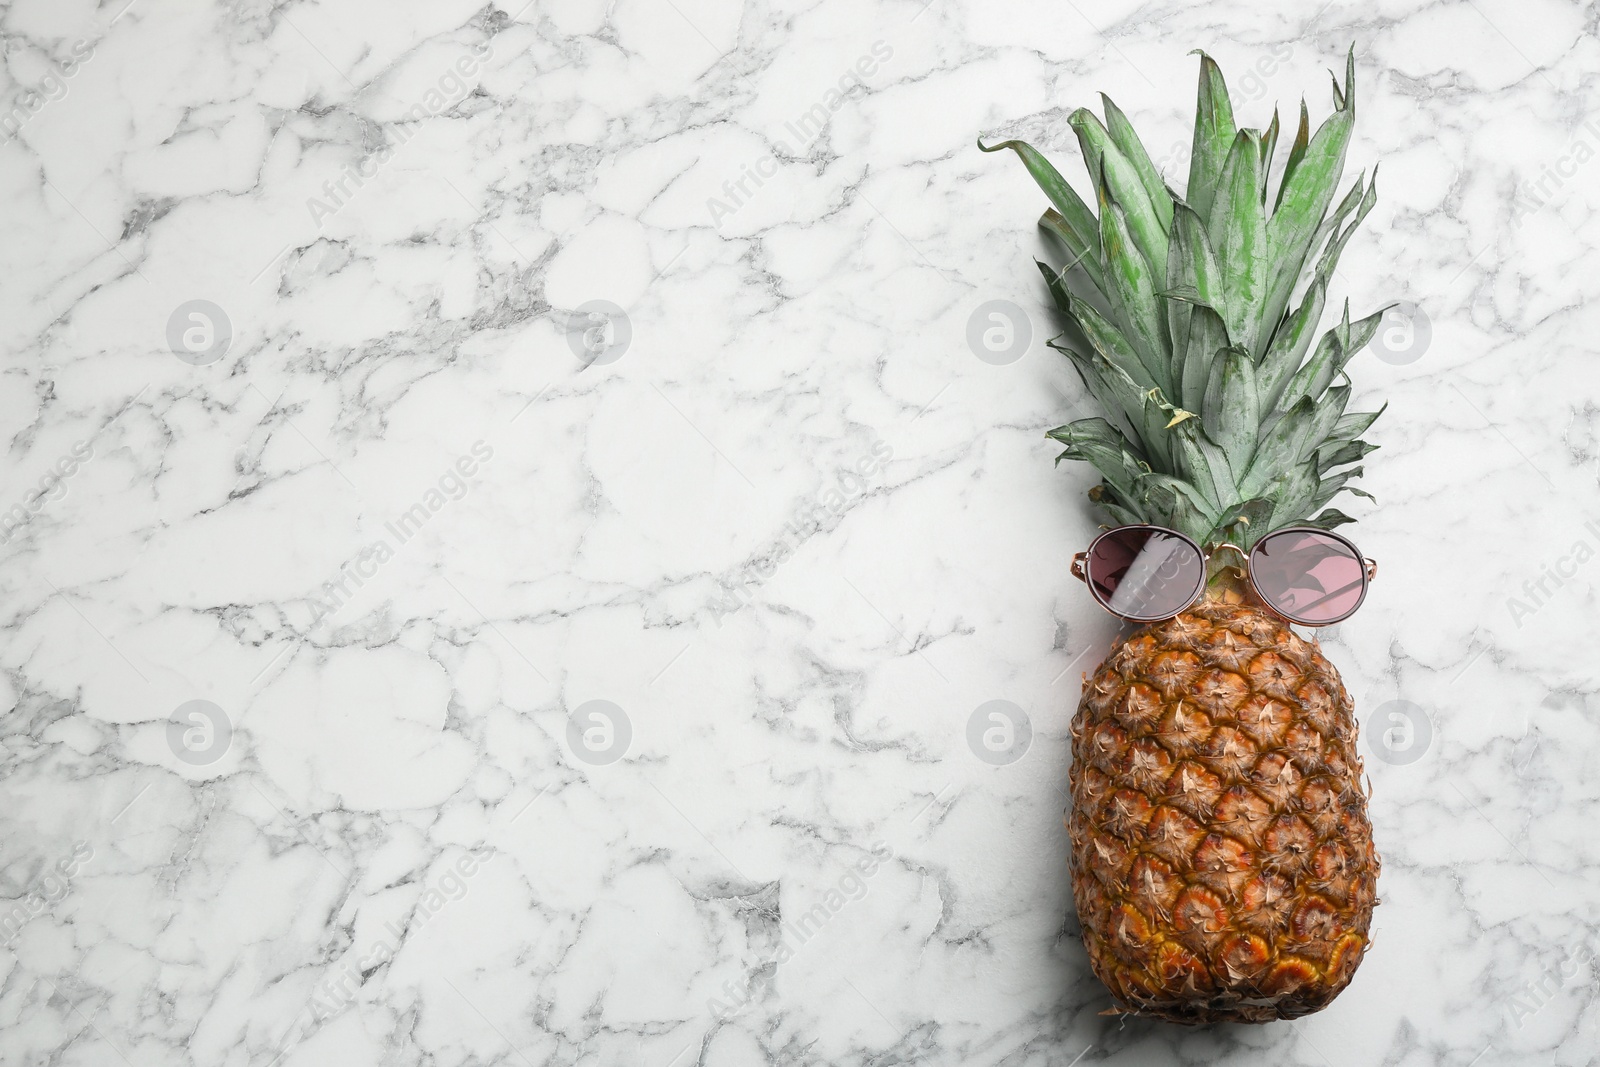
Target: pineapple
{"x":1222,"y":856}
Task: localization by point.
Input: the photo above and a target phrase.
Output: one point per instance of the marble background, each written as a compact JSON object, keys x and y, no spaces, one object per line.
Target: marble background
{"x":367,"y":506}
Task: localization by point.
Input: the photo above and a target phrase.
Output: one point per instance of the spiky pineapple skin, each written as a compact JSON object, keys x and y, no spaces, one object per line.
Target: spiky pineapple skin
{"x":1222,"y":856}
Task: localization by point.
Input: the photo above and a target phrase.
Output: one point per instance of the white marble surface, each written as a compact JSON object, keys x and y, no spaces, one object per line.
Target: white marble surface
{"x":388,"y":850}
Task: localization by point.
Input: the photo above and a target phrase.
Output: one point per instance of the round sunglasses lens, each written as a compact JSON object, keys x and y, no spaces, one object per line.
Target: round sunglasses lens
{"x":1145,"y":574}
{"x":1309,"y":577}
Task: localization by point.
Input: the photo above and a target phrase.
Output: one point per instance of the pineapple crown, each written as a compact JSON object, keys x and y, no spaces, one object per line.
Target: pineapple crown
{"x":1217,"y":423}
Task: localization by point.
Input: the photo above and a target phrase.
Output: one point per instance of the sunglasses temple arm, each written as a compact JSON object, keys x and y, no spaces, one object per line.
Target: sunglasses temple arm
{"x":1078,"y":561}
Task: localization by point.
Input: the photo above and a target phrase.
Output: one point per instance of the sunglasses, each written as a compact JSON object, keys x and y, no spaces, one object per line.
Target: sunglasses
{"x":1148,"y":573}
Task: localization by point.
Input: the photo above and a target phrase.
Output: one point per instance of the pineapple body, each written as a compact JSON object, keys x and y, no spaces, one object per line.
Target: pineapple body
{"x":1222,"y":856}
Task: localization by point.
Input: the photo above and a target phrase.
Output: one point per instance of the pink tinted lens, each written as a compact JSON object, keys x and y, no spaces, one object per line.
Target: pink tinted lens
{"x":1144,"y":573}
{"x":1308,"y":576}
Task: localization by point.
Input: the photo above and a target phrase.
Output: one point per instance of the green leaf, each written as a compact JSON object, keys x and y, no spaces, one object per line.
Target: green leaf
{"x":1328,"y":411}
{"x":1293,"y":494}
{"x":1175,"y":504}
{"x":1337,"y":347}
{"x":1350,"y":79}
{"x":1341,"y":329}
{"x":1093,"y":371}
{"x":1244,"y":524}
{"x":1269,"y":145}
{"x":1121,"y":515}
{"x":1304,"y":200}
{"x":1097,"y":442}
{"x":1283,"y":284}
{"x":1279,"y":448}
{"x":1337,"y":453}
{"x":1329,"y":519}
{"x":1128,"y":143}
{"x":1289,"y":345}
{"x":1111,"y":344}
{"x":1293,"y":336}
{"x":1131,"y":291}
{"x":1330,"y":352}
{"x":1066,"y":200}
{"x":1203,"y":464}
{"x":1297,"y":151}
{"x":1300,"y":385}
{"x":1332,"y":223}
{"x":1330,"y":255}
{"x":1080,"y":252}
{"x":1351,"y":426}
{"x":1058,"y":287}
{"x":1229,"y":412}
{"x":1097,"y":433}
{"x":1119,"y":394}
{"x":1238,"y":229}
{"x":1076,"y":243}
{"x":1333,"y":485}
{"x":1186,"y":490}
{"x":1213,"y":136}
{"x":1192,"y":272}
{"x":1207,"y":337}
{"x":1354,"y":424}
{"x":1354,"y":339}
{"x":1118,"y":177}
